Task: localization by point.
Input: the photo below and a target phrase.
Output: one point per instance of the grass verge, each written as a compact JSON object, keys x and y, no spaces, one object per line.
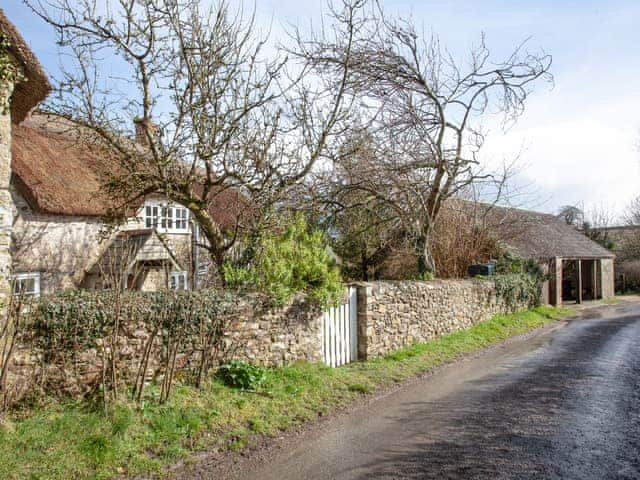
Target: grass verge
{"x":71,"y":440}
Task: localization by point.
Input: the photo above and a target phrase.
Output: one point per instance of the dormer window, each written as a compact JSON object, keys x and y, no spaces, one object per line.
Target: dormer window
{"x":165,"y":216}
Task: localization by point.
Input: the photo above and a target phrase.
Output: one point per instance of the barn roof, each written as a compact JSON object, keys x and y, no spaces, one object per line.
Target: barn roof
{"x":531,"y":234}
{"x":29,"y":93}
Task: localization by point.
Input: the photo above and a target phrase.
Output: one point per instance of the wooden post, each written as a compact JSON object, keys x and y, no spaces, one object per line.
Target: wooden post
{"x":594,"y":281}
{"x":555,"y":281}
{"x":579,"y":288}
{"x":558,"y":290}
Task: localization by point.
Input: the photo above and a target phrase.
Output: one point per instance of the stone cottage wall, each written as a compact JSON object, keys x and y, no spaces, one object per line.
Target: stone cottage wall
{"x":61,"y":247}
{"x":392,"y":315}
{"x":6,"y":204}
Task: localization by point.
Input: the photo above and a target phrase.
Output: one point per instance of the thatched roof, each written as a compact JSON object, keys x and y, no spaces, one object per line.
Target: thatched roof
{"x":59,"y":174}
{"x":29,"y":93}
{"x":56,"y":174}
{"x":538,"y":235}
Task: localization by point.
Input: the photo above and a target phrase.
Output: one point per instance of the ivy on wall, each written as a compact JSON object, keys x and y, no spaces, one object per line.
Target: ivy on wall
{"x":10,"y":73}
{"x":189,"y":323}
{"x":519,"y":282}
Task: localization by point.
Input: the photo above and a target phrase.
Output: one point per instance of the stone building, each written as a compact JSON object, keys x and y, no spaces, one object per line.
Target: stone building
{"x":23,"y":85}
{"x":578,"y":268}
{"x":53,"y":207}
{"x":61,"y":239}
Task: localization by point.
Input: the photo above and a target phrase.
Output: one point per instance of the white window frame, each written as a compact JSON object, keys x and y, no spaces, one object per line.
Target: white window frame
{"x":174,"y":280}
{"x":18,"y":277}
{"x":166,"y":217}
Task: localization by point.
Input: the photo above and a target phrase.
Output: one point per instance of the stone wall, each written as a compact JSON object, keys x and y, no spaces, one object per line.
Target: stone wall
{"x":608,"y":279}
{"x":60,"y":247}
{"x":253,"y":332}
{"x":275,"y":336}
{"x":392,"y":315}
{"x":6,"y":204}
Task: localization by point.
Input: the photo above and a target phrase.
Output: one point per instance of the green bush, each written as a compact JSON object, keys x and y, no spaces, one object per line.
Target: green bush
{"x":283,"y":264}
{"x":239,"y":374}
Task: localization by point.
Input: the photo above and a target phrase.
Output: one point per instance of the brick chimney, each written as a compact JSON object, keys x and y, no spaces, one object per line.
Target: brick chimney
{"x":141,"y":135}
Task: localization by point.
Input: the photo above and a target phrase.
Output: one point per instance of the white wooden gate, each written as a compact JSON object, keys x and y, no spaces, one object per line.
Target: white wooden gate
{"x":340,"y":332}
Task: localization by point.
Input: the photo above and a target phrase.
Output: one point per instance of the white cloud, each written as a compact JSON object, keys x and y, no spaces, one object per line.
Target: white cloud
{"x":578,"y":148}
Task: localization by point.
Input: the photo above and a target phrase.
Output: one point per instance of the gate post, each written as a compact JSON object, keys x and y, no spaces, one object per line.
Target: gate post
{"x":364,"y":296}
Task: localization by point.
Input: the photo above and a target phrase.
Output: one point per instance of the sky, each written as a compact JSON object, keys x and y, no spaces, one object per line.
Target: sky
{"x":578,"y":141}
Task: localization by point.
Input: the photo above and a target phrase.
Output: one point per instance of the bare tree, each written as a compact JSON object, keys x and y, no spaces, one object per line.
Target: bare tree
{"x":216,"y":115}
{"x":422,"y":113}
{"x":632,"y":212}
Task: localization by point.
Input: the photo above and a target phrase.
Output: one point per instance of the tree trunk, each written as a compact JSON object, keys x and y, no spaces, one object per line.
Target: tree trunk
{"x":426,"y":263}
{"x":217,"y":245}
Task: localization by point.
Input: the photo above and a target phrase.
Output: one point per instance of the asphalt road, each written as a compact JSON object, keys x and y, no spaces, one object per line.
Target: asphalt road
{"x":565,"y":404}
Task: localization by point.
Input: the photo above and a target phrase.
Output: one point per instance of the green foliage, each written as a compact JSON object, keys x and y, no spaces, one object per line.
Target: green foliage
{"x":427,"y":276}
{"x":283,"y":264}
{"x":240,"y":374}
{"x":519,"y":282}
{"x":76,"y":319}
{"x":9,"y":70}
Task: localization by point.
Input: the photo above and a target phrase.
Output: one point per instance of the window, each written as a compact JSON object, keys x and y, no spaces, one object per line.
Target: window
{"x":166,"y":217}
{"x":178,"y":281}
{"x":27,"y":284}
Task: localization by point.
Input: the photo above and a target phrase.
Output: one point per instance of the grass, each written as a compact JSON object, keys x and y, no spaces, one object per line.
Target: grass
{"x":612,"y":300}
{"x":72,"y":440}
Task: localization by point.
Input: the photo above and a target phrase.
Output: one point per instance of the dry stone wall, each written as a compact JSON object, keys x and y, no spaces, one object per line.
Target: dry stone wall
{"x":392,"y":315}
{"x":252,"y":332}
{"x":275,"y":336}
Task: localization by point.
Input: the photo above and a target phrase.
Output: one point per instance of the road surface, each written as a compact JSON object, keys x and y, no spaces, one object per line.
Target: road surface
{"x":565,"y":404}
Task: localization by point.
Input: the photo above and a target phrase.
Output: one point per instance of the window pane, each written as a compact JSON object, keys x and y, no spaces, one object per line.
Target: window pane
{"x":170,"y":217}
{"x":26,"y":286}
{"x":181,"y":281}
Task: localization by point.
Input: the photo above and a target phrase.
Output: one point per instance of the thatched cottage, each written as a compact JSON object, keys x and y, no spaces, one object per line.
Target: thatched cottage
{"x":54,"y":235}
